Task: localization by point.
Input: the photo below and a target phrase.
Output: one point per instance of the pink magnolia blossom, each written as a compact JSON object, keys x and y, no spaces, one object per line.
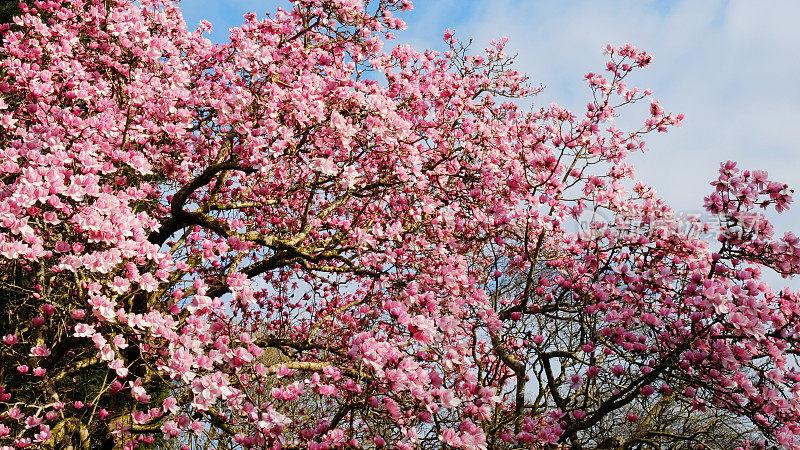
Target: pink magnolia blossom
{"x":138,"y":391}
{"x":324,"y":166}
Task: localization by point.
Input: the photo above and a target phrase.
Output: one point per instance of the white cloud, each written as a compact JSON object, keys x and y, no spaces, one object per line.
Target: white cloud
{"x":731,"y":67}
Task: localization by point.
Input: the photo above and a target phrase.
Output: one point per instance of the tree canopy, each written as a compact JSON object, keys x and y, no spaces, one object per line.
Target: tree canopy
{"x":300,"y":238}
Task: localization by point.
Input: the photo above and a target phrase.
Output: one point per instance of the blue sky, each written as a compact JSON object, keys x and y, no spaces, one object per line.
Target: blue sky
{"x":732,"y":67}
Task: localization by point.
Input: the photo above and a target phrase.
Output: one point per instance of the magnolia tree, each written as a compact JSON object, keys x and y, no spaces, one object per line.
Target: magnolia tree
{"x":298,"y":239}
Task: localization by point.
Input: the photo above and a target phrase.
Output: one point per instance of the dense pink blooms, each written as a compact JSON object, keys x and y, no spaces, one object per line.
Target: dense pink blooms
{"x":300,"y":238}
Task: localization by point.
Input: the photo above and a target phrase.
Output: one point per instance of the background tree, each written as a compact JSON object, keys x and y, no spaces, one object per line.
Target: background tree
{"x":295,"y":240}
{"x":8,"y":9}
